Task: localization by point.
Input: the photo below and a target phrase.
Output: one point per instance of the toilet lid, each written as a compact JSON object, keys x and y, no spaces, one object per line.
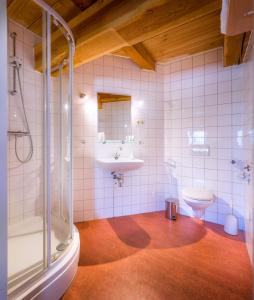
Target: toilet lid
{"x":197,"y":193}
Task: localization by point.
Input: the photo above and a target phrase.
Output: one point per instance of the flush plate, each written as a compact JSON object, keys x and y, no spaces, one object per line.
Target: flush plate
{"x":200,"y":150}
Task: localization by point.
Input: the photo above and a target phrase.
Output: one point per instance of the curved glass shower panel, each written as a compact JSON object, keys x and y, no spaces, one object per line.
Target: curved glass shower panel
{"x":61,"y":158}
{"x":25,"y":157}
{"x":39,"y":166}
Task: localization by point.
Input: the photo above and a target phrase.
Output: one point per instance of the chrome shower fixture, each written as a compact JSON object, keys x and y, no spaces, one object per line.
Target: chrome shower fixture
{"x":16,"y":65}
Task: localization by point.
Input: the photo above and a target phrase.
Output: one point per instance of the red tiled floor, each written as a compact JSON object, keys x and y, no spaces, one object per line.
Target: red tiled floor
{"x":147,"y":257}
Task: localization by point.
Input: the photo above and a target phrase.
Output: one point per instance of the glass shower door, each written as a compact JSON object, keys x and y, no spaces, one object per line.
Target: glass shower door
{"x":39,"y":150}
{"x":61,"y":157}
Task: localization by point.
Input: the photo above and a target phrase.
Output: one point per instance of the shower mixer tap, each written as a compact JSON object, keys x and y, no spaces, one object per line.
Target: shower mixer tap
{"x":16,"y":65}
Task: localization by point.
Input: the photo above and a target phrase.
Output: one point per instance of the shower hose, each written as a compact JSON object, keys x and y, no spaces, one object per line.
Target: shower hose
{"x":28,"y":133}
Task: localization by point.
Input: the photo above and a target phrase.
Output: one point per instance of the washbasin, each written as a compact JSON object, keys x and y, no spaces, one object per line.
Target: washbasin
{"x":121,"y":164}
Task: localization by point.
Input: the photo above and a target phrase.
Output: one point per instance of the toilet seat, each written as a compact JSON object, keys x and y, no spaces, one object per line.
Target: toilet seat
{"x":198,"y":199}
{"x":198,"y":194}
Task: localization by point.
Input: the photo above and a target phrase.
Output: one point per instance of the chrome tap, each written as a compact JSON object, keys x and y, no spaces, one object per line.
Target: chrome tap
{"x":116,"y":155}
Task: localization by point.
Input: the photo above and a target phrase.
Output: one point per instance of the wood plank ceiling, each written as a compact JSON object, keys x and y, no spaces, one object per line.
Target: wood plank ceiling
{"x":146,"y":31}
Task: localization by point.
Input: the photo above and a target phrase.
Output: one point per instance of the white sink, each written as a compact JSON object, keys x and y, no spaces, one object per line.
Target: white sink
{"x":121,"y":164}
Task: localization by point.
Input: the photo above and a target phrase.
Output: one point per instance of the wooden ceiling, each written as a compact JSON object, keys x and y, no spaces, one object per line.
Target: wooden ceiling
{"x":84,"y":4}
{"x":147,"y":31}
{"x":29,"y":15}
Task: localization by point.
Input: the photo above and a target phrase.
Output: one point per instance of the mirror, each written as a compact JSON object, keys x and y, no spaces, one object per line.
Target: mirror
{"x":114,"y":117}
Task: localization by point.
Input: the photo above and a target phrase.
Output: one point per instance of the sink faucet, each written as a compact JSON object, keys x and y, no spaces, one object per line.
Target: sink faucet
{"x":116,"y":155}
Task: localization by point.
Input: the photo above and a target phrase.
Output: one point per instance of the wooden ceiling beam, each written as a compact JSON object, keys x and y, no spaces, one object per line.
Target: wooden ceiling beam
{"x":131,"y":28}
{"x":80,"y":18}
{"x":94,"y":47}
{"x":117,"y":14}
{"x":66,"y":9}
{"x":202,"y":33}
{"x":167,"y":17}
{"x":235,"y":48}
{"x":29,"y":14}
{"x":84,"y":4}
{"x":100,"y":45}
{"x":139,"y":54}
{"x":133,"y":22}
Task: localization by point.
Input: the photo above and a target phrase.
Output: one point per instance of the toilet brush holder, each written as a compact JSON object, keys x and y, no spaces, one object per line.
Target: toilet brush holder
{"x":231,"y":225}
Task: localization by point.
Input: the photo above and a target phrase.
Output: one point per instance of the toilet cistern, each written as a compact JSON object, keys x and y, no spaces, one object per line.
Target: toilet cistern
{"x":198,"y":199}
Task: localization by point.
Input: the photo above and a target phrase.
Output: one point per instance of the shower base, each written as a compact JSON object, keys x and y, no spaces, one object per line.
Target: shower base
{"x":25,"y":260}
{"x":25,"y":245}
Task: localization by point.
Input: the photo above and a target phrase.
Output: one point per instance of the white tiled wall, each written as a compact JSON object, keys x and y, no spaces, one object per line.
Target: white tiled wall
{"x":249,"y":145}
{"x":95,"y":195}
{"x":25,"y":180}
{"x":204,"y":104}
{"x":192,"y":100}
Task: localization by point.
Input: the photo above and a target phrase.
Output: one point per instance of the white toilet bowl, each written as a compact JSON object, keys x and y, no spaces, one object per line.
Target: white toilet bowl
{"x":198,"y":199}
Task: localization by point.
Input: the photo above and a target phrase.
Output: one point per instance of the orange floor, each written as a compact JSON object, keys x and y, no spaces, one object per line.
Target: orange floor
{"x":147,"y":257}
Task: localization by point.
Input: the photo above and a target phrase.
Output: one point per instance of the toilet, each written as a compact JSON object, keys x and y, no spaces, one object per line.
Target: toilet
{"x":198,"y":199}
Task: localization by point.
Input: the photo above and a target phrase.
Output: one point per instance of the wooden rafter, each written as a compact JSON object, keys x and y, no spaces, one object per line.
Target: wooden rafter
{"x":79,"y":19}
{"x":96,"y":47}
{"x":235,"y":48}
{"x":84,"y":4}
{"x":146,"y":31}
{"x":139,"y":54}
{"x":114,"y":16}
{"x":165,"y":17}
{"x":131,"y":24}
{"x":29,"y":14}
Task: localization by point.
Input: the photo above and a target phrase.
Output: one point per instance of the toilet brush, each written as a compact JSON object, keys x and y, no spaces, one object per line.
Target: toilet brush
{"x":231,"y":222}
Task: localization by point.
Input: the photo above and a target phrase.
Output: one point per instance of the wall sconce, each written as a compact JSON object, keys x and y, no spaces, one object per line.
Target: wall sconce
{"x":82,"y":95}
{"x":140,"y":103}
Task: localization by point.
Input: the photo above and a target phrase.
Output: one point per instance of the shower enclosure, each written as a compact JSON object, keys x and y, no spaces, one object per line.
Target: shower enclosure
{"x":36,"y":164}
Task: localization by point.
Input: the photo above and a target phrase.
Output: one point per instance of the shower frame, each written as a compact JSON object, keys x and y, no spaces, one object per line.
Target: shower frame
{"x":3,"y":150}
{"x":48,"y":15}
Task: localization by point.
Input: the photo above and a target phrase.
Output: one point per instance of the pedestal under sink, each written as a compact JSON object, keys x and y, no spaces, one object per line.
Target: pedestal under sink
{"x":121,"y":164}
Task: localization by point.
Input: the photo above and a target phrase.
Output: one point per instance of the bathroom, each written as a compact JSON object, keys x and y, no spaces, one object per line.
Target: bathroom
{"x":126,"y":168}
